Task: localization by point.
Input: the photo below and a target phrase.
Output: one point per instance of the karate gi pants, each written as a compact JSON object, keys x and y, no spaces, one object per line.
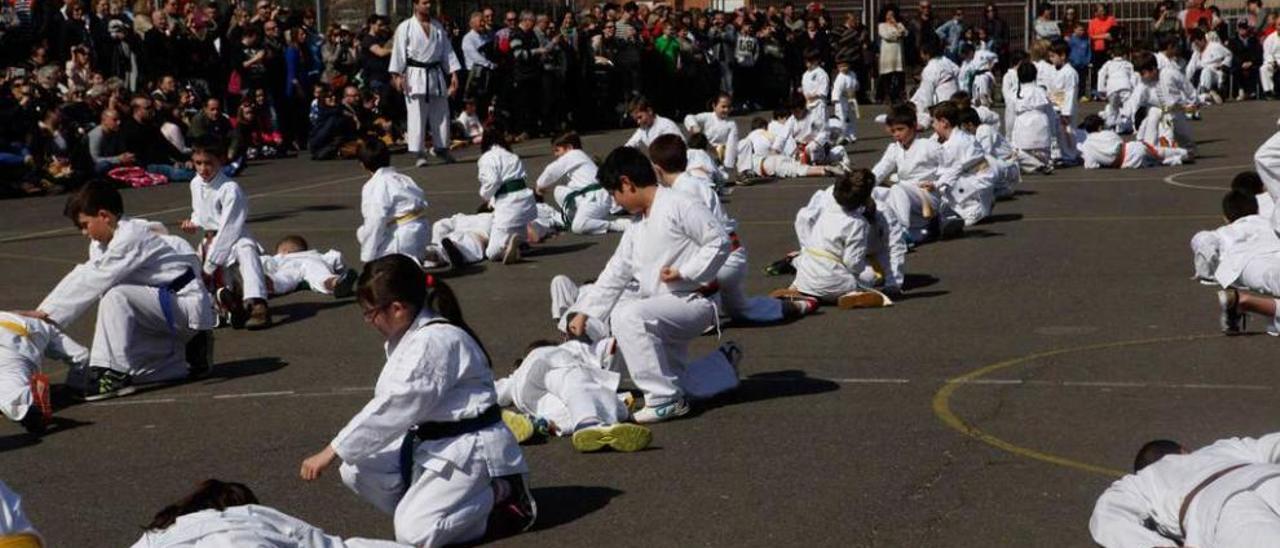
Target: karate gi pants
{"x":1116,"y":116}
{"x":907,"y":202}
{"x":982,"y":84}
{"x":564,"y":293}
{"x":15,"y":384}
{"x":777,"y":165}
{"x":1033,"y":160}
{"x":134,"y":336}
{"x":409,"y":238}
{"x":570,"y":398}
{"x":845,"y":113}
{"x":654,"y":335}
{"x":591,"y":215}
{"x":1210,"y":79}
{"x":733,"y":296}
{"x":1268,"y":74}
{"x":1171,"y":129}
{"x":1205,"y":246}
{"x":970,"y":199}
{"x":512,"y":214}
{"x":426,"y":114}
{"x":292,"y":273}
{"x":245,"y":256}
{"x":820,"y":154}
{"x":469,"y":244}
{"x":448,"y":505}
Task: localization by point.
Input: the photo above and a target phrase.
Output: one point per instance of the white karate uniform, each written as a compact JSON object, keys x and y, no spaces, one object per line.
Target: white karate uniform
{"x":1063,"y":94}
{"x":732,"y":275}
{"x":1106,"y":149}
{"x":660,"y":126}
{"x":1213,"y":62}
{"x":1116,"y":81}
{"x":1033,"y":129}
{"x":435,"y":372}
{"x":220,"y":207}
{"x":1177,"y":95}
{"x":471,"y":125}
{"x":813,"y":132}
{"x":13,"y":520}
{"x":815,"y":85}
{"x":910,"y":203}
{"x":288,"y":270}
{"x":395,"y":217}
{"x":247,"y":525}
{"x":655,"y":328}
{"x":886,"y":244}
{"x":982,"y":80}
{"x":469,"y":232}
{"x":512,"y":210}
{"x":591,"y":203}
{"x":1235,"y":510}
{"x":572,"y":385}
{"x":1266,"y":161}
{"x":567,"y":299}
{"x":1270,"y":62}
{"x":1266,"y":205}
{"x":143,"y":324}
{"x":939,"y":80}
{"x":1244,"y":253}
{"x":722,"y":133}
{"x":24,"y":342}
{"x":1009,"y":91}
{"x":1000,"y":154}
{"x":426,"y":91}
{"x":844,"y":97}
{"x":700,"y":163}
{"x":966,"y":181}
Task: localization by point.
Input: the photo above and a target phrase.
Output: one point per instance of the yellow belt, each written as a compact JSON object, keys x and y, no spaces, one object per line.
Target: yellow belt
{"x":980,"y":167}
{"x":407,"y":217}
{"x":824,"y":254}
{"x":20,"y":540}
{"x":876,"y":266}
{"x":17,"y":328}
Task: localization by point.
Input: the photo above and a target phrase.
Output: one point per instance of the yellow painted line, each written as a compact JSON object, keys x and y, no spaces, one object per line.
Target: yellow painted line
{"x":942,"y":403}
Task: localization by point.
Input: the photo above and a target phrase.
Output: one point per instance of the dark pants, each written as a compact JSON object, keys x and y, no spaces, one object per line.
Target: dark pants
{"x":889,"y":87}
{"x":525,"y":93}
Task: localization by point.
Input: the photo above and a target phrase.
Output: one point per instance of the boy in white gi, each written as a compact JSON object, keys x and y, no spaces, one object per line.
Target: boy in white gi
{"x":1033,"y":127}
{"x":672,"y":252}
{"x":1270,"y":64}
{"x":573,"y":387}
{"x":720,"y":131}
{"x":757,"y":158}
{"x":425,"y":69}
{"x":703,"y":164}
{"x":24,"y":389}
{"x":472,"y":126}
{"x":815,"y":86}
{"x":844,"y":97}
{"x":1064,"y":91}
{"x":1248,"y":182}
{"x":586,"y":206}
{"x":220,"y":209}
{"x":667,"y":154}
{"x":1212,"y":60}
{"x":14,"y":525}
{"x":430,"y":448}
{"x":503,"y":186}
{"x":939,"y":80}
{"x":649,"y":125}
{"x":1224,"y":494}
{"x":914,"y":161}
{"x":392,"y":206}
{"x":1244,"y":253}
{"x":1104,"y":148}
{"x":999,"y":154}
{"x":295,"y":263}
{"x":812,"y":137}
{"x":966,"y":180}
{"x":228,"y":514}
{"x":459,"y":240}
{"x":1116,"y":80}
{"x":154,"y":314}
{"x":835,"y":236}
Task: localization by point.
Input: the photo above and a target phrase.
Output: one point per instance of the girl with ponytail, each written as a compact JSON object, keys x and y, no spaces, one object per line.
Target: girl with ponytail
{"x":1031,"y":123}
{"x":430,"y":448}
{"x":720,"y":130}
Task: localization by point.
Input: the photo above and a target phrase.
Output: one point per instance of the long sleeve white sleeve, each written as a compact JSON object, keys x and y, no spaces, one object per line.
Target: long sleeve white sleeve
{"x":1118,"y":517}
{"x":235,"y":211}
{"x":554,"y":173}
{"x":375,"y":208}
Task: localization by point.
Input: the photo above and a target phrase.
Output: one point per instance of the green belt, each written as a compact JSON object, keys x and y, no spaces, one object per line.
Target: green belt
{"x":570,"y":205}
{"x":511,"y":185}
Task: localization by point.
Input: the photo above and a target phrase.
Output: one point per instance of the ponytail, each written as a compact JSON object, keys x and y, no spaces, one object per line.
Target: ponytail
{"x":210,"y":494}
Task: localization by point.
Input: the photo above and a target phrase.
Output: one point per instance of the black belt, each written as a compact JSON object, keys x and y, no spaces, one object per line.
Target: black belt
{"x":181,"y":281}
{"x":419,"y":64}
{"x":431,"y":431}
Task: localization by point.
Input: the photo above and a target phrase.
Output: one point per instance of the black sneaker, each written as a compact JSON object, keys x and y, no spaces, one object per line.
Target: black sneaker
{"x":200,"y":355}
{"x":346,"y":284}
{"x":780,"y":267}
{"x":106,"y":383}
{"x":231,"y":304}
{"x":33,"y":422}
{"x":453,"y":254}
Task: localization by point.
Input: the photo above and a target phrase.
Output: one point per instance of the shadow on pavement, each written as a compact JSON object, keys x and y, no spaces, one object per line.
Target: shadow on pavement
{"x":293,"y":312}
{"x":551,"y":250}
{"x":563,"y":504}
{"x":767,"y":386}
{"x":917,"y":281}
{"x":56,"y":426}
{"x":225,"y":371}
{"x":1001,"y":218}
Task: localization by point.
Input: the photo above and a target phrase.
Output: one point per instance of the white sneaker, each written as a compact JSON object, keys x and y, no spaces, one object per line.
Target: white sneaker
{"x":666,"y":412}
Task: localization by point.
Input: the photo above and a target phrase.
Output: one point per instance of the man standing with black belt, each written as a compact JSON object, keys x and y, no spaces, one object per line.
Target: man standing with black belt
{"x":425,"y":69}
{"x":1221,"y":495}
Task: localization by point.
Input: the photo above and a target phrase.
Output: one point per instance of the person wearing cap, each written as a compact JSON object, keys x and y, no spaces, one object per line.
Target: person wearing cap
{"x":426,"y":70}
{"x":1246,"y":56}
{"x":121,"y":59}
{"x":1221,"y":495}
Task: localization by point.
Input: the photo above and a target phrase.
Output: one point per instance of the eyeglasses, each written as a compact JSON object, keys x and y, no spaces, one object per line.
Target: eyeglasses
{"x":371,"y":313}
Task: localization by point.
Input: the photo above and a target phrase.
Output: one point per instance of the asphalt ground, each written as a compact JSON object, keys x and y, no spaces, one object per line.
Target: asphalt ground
{"x":1066,"y":323}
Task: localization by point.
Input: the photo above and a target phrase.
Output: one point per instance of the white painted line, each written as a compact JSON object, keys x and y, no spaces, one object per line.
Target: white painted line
{"x":993,"y":381}
{"x":1222,"y":386}
{"x":1102,"y":384}
{"x":870,"y":381}
{"x":254,"y":395}
{"x":132,"y":402}
{"x":1172,"y":179}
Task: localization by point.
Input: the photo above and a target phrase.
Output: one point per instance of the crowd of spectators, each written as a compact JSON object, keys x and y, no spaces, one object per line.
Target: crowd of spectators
{"x":121,"y":91}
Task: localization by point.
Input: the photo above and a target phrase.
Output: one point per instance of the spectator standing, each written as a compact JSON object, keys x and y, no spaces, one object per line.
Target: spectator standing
{"x":892,"y":77}
{"x":1164,"y":23}
{"x":997,"y":33}
{"x":1046,"y":27}
{"x":723,"y":41}
{"x":477,"y":46}
{"x":1246,"y":59}
{"x":1101,"y":27}
{"x":950,"y":33}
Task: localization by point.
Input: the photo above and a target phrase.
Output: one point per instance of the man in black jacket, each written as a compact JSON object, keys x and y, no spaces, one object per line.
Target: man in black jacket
{"x":152,"y":151}
{"x":1246,"y":60}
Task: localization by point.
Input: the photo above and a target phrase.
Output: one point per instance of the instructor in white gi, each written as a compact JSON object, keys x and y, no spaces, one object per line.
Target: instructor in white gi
{"x":421,"y":58}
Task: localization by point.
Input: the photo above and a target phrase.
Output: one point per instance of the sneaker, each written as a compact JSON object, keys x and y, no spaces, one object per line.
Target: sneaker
{"x":443,"y":156}
{"x":867,"y":298}
{"x":623,"y":438}
{"x":420,"y":162}
{"x":1217,"y":98}
{"x":951,"y":227}
{"x":514,"y":510}
{"x":780,"y":267}
{"x":665,"y":412}
{"x":452,"y":253}
{"x":1231,"y":319}
{"x":232,"y":306}
{"x":106,"y":383}
{"x":41,"y":411}
{"x":259,"y":316}
{"x":200,"y":355}
{"x":511,"y":253}
{"x":519,"y":424}
{"x":798,"y":307}
{"x":787,"y":293}
{"x":346,"y":284}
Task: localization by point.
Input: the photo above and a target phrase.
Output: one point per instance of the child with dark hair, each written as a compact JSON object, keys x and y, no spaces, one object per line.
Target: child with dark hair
{"x":1033,"y":126}
{"x":906,"y":173}
{"x":757,"y":157}
{"x":295,"y":264}
{"x":430,"y":448}
{"x":1009,"y":90}
{"x":720,"y":131}
{"x":939,"y":80}
{"x":844,"y":101}
{"x":832,"y":265}
{"x":1064,"y":93}
{"x":1249,"y":182}
{"x":815,"y":86}
{"x":586,"y":206}
{"x":1243,"y":253}
{"x":503,"y":186}
{"x":393,"y":207}
{"x":670,"y":256}
{"x":702,"y":162}
{"x":1115,"y":82}
{"x":149,"y":296}
{"x":966,"y":180}
{"x":649,"y":125}
{"x":1104,"y":148}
